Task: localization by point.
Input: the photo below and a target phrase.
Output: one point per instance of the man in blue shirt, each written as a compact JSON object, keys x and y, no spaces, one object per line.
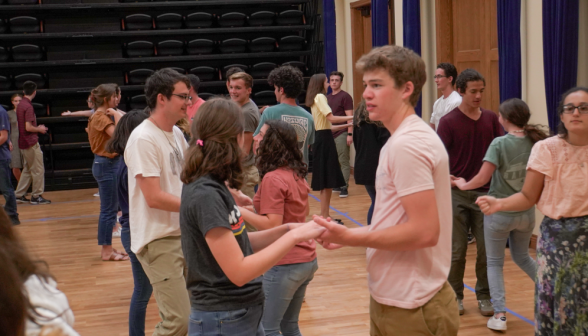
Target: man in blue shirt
{"x":5,"y":172}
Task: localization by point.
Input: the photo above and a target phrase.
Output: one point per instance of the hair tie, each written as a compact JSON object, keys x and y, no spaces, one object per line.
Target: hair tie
{"x":200,"y":143}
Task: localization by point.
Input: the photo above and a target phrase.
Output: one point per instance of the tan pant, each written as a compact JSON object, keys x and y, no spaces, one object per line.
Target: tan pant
{"x":343,"y":153}
{"x":437,"y":317}
{"x":250,"y":180}
{"x":33,"y":172}
{"x":163,"y":262}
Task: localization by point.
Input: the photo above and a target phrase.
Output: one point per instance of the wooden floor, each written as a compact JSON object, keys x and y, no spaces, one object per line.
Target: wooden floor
{"x":64,"y":235}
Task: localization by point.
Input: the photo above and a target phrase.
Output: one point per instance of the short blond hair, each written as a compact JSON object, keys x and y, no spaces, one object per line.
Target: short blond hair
{"x":402,"y":64}
{"x":244,"y":76}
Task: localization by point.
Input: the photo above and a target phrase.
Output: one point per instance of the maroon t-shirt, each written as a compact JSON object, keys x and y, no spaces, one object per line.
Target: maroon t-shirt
{"x":340,"y":103}
{"x":25,"y":112}
{"x":467,"y":141}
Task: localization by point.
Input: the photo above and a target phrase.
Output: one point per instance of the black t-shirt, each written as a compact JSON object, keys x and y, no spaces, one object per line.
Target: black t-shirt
{"x":207,"y":204}
{"x":368,"y":139}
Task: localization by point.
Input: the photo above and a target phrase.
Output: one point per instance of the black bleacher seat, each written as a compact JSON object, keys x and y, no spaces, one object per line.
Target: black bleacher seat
{"x":27,"y":52}
{"x":3,"y":54}
{"x":233,"y":45}
{"x":297,"y":64}
{"x":3,"y":26}
{"x":40,"y":110}
{"x":140,"y":49}
{"x":205,"y":73}
{"x":170,"y":48}
{"x":263,"y":98}
{"x":290,"y":17}
{"x":205,"y":95}
{"x":138,"y":102}
{"x":24,"y":25}
{"x":139,"y":76}
{"x":138,"y":22}
{"x":263,"y":18}
{"x":179,"y":70}
{"x":134,"y":0}
{"x":168,"y":21}
{"x":227,"y":67}
{"x":5,"y":83}
{"x":262,"y":70}
{"x":233,"y":19}
{"x":199,"y":20}
{"x":292,"y":43}
{"x":200,"y":47}
{"x":39,"y":79}
{"x":22,"y":2}
{"x":262,"y":44}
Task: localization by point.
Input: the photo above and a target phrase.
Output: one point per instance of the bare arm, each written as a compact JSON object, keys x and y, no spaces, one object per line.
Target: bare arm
{"x":262,"y":239}
{"x":86,"y":113}
{"x":481,"y":179}
{"x":109,"y":130}
{"x":349,"y":113}
{"x":529,"y":196}
{"x":420,"y":231}
{"x":155,"y":197}
{"x":261,"y":222}
{"x":248,"y":140}
{"x":3,"y":137}
{"x":339,"y":127}
{"x":35,"y":129}
{"x":336,"y":119}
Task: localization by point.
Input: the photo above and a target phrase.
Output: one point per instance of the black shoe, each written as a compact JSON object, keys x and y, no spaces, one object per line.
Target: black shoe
{"x":39,"y":200}
{"x":338,"y":221}
{"x":471,"y":238}
{"x":344,"y":193}
{"x":14,"y":220}
{"x":336,"y":189}
{"x":22,"y":199}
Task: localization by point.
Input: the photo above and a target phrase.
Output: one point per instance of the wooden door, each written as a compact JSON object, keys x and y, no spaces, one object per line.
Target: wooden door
{"x":467,"y":36}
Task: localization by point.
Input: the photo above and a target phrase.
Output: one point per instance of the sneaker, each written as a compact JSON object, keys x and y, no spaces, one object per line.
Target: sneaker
{"x":497,"y":323}
{"x":471,"y":238}
{"x":338,"y":221}
{"x":460,"y":307}
{"x":337,"y":190}
{"x":22,"y":199}
{"x":96,"y":194}
{"x":486,"y":308}
{"x":14,"y":220}
{"x":117,"y":233}
{"x":39,"y":200}
{"x":344,"y":193}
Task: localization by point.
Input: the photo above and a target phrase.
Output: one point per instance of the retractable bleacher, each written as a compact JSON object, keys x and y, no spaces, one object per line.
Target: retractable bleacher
{"x":70,"y":46}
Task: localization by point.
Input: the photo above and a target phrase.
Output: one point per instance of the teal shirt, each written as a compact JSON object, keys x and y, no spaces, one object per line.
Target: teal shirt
{"x":509,"y":154}
{"x":296,"y":116}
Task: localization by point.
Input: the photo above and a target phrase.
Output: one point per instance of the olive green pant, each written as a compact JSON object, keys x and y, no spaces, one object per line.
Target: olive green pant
{"x":343,"y":153}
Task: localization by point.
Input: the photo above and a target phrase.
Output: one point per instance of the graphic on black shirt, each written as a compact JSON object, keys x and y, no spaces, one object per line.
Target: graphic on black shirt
{"x":237,"y":222}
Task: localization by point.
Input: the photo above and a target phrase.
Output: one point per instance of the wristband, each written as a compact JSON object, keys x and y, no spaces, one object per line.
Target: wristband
{"x":349,"y":134}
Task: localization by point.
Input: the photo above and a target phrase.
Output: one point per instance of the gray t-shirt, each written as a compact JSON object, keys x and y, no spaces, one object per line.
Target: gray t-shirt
{"x":296,"y":116}
{"x":509,"y":154}
{"x":252,"y":115}
{"x":208,"y":204}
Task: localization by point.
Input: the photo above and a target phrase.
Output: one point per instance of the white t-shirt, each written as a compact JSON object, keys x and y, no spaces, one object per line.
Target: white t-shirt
{"x":152,"y":152}
{"x":413,"y":160}
{"x":443,"y":106}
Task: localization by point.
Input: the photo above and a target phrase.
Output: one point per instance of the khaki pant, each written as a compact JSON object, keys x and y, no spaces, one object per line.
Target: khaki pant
{"x":438,"y":317}
{"x":33,"y":172}
{"x":343,"y":153}
{"x":163,"y":262}
{"x":250,"y":180}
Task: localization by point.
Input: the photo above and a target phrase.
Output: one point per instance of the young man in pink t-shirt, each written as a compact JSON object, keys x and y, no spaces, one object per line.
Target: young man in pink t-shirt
{"x":409,"y":240}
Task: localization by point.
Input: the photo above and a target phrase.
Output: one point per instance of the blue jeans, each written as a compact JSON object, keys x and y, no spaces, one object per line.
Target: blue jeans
{"x":7,"y":189}
{"x":141,"y":292}
{"x":240,"y":322}
{"x":497,"y":229}
{"x":371,"y":190}
{"x":284,"y":287}
{"x":104,"y":171}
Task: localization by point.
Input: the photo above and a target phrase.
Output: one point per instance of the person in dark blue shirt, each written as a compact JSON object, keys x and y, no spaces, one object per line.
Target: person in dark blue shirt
{"x":6,"y":186}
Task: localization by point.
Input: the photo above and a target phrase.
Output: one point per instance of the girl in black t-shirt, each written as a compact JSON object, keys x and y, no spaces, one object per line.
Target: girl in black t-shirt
{"x":224,"y":274}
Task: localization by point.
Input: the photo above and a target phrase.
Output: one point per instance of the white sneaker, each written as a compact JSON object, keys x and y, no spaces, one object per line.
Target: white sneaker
{"x":97,"y":194}
{"x":116,"y":234}
{"x":497,"y":323}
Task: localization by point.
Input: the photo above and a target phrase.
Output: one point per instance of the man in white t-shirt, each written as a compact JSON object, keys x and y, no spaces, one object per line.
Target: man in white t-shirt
{"x":409,"y":240}
{"x":155,"y":156}
{"x":445,"y":77}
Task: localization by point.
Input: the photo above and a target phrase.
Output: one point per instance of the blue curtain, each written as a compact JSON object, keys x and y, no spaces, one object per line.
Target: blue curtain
{"x":560,"y":52}
{"x":330,"y":36}
{"x":379,"y":23}
{"x":509,"y":49}
{"x":411,"y":23}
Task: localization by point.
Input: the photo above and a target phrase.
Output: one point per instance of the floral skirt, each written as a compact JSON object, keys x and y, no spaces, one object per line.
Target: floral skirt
{"x":561,"y":289}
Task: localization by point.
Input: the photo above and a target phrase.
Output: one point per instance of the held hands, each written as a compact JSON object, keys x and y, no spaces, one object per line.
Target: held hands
{"x":460,"y":182}
{"x":334,"y":236}
{"x":306,"y":231}
{"x":488,"y":204}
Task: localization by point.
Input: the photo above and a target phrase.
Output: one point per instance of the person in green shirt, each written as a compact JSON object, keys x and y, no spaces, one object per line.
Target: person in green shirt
{"x":506,"y":163}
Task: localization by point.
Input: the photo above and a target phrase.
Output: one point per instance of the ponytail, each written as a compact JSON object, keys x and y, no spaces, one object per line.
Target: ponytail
{"x":535,"y":133}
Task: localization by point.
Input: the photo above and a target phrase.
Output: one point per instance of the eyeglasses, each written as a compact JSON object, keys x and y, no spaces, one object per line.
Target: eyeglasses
{"x":569,"y":109}
{"x":187,"y":98}
{"x":439,"y":76}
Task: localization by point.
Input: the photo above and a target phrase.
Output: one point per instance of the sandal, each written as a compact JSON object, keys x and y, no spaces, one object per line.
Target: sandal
{"x":116,"y":257}
{"x":123,"y":253}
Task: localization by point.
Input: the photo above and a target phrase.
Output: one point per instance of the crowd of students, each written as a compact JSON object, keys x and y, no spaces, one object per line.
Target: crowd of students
{"x":221,"y":262}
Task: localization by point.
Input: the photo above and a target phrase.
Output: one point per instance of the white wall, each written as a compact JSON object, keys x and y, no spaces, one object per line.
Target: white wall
{"x":429,"y":55}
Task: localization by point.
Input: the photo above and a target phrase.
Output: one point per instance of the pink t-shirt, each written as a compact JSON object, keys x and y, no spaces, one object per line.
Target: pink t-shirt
{"x":282,"y":193}
{"x":565,"y":190}
{"x":413,"y":160}
{"x":191,"y":111}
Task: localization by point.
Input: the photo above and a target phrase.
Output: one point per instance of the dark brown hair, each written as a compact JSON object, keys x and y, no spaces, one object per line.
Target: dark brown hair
{"x":336,"y":73}
{"x":279,"y":148}
{"x":102,"y":93}
{"x":402,"y":64}
{"x":466,"y":76}
{"x":163,"y":81}
{"x":14,"y":96}
{"x":562,"y":131}
{"x":13,"y":302}
{"x":288,"y":78}
{"x":361,"y":114}
{"x":218,"y":123}
{"x":316,"y":85}
{"x":123,"y":130}
{"x":517,"y":113}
